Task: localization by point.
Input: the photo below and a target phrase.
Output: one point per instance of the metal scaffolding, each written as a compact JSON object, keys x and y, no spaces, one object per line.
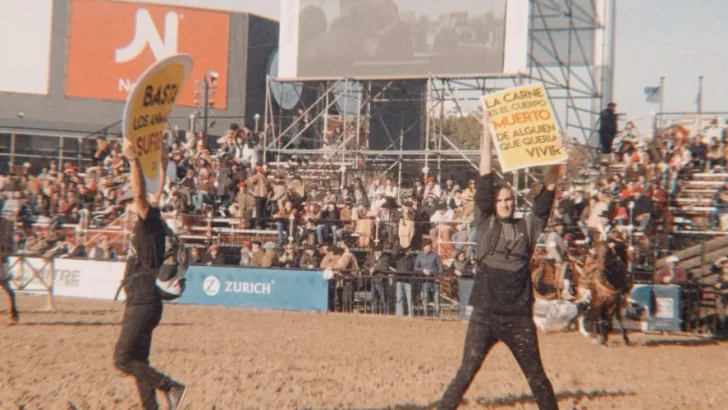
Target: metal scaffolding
{"x":571,"y":52}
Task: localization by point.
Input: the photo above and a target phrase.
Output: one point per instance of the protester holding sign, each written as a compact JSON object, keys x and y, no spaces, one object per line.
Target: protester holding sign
{"x":143,"y":310}
{"x":502,"y":298}
{"x":145,"y":118}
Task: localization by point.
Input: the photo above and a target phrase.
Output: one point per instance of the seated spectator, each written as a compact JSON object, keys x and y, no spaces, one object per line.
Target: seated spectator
{"x":195,"y":256}
{"x":309,"y":259}
{"x":214,"y":257}
{"x":270,"y":257}
{"x":289,"y":258}
{"x":256,"y":254}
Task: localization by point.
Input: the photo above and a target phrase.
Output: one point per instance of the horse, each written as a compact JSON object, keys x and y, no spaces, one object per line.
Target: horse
{"x":603,"y":284}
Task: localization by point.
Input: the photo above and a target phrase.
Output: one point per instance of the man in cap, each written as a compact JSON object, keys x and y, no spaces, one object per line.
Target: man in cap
{"x":270,"y":257}
{"x":502,"y":297}
{"x":143,"y":310}
{"x":429,"y":263}
{"x":377,"y":266}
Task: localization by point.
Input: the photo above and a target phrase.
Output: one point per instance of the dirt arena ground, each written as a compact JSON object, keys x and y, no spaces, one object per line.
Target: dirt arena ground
{"x":238,"y":359}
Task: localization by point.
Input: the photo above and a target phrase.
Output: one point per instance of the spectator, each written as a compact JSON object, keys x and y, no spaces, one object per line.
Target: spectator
{"x":607,"y":128}
{"x":377,"y":266}
{"x":270,"y":257}
{"x":259,"y":183}
{"x":429,"y":264}
{"x":309,"y":260}
{"x":405,"y":266}
{"x":256,"y":255}
{"x":214,"y":257}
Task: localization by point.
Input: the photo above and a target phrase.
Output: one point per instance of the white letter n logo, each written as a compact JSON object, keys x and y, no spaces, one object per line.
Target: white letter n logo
{"x":146,"y":33}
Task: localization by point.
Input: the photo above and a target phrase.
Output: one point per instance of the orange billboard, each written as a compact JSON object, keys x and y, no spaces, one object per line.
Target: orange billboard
{"x":111,"y":44}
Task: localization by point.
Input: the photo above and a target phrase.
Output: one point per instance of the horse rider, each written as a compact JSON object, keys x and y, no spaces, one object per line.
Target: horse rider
{"x":556,"y":248}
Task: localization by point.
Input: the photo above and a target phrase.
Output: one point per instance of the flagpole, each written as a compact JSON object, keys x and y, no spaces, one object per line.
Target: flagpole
{"x":700,"y":103}
{"x":700,"y":94}
{"x":662,"y":97}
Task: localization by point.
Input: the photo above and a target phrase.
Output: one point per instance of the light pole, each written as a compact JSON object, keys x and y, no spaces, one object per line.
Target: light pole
{"x":209,"y":80}
{"x":256,"y":117}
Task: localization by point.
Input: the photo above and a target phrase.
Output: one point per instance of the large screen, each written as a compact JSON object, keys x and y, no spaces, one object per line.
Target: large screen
{"x":402,"y":38}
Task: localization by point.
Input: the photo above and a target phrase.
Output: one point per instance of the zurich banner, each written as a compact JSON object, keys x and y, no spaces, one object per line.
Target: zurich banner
{"x":302,"y":290}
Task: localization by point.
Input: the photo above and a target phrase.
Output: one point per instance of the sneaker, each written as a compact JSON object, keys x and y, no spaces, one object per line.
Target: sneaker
{"x":14,"y":317}
{"x":176,"y":395}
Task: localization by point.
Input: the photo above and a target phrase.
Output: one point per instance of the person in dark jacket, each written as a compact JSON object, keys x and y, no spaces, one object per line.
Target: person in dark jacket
{"x":607,"y":128}
{"x":405,"y":266}
{"x":377,"y":266}
{"x":502,"y":298}
{"x":143,"y":310}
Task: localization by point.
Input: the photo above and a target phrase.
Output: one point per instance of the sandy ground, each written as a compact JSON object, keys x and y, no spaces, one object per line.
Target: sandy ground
{"x":243,"y":359}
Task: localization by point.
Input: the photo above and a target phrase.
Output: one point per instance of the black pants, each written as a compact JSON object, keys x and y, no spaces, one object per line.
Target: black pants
{"x":605,"y":140}
{"x":260,"y":208}
{"x":519,"y":334}
{"x":131,"y":355}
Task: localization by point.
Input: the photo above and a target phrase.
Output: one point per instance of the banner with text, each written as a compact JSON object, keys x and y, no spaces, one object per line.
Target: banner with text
{"x":110,"y":43}
{"x":523,"y":127}
{"x":83,"y":278}
{"x":301,"y":290}
{"x":147,"y":110}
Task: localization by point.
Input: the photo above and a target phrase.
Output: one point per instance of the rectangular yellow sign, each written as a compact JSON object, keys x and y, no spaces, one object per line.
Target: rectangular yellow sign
{"x":523,"y":128}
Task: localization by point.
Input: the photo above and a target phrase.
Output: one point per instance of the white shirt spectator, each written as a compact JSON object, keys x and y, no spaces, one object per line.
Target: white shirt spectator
{"x":440,"y":216}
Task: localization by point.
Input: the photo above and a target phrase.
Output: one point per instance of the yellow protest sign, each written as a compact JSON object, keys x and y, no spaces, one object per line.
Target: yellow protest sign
{"x":523,"y":128}
{"x":147,"y":109}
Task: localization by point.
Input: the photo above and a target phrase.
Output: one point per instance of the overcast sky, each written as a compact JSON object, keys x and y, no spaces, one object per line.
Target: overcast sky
{"x":677,"y":39}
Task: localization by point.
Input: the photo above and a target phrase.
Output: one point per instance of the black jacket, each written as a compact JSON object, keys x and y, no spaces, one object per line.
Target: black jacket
{"x":503,"y":252}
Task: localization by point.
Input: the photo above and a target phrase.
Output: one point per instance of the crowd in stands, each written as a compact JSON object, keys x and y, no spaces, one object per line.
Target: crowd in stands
{"x":328,"y":226}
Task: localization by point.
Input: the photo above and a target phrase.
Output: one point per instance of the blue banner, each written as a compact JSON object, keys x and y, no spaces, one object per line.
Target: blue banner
{"x":302,"y":290}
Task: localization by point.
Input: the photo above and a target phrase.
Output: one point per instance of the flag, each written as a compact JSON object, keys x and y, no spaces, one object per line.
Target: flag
{"x":652,"y":94}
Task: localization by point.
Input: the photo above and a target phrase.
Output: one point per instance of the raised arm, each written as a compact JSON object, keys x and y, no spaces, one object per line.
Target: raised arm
{"x":138,"y":186}
{"x":543,"y":203}
{"x":162,"y":175}
{"x":486,"y":142}
{"x":484,"y":196}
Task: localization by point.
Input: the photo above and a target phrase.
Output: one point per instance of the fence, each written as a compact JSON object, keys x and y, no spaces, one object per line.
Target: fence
{"x":691,"y":307}
{"x":397,"y":293}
